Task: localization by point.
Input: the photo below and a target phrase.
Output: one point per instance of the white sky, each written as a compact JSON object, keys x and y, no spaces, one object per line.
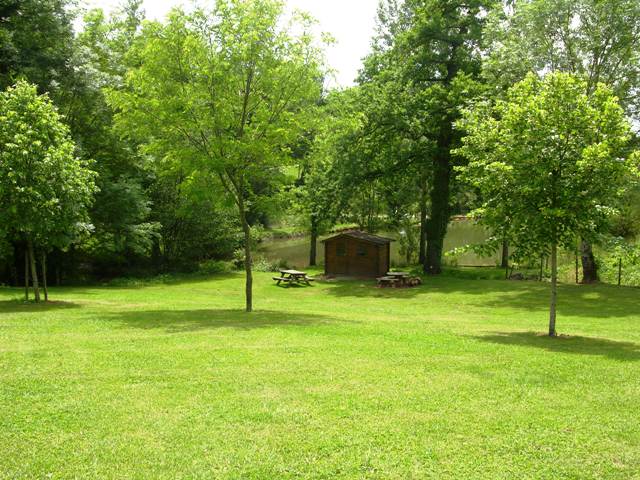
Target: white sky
{"x":350,"y":22}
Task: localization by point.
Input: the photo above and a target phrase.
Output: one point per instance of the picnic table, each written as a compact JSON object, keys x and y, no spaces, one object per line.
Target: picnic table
{"x":400,"y":277}
{"x":293,"y":276}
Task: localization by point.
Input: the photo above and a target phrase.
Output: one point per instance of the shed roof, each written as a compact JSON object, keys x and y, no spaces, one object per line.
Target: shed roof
{"x":366,"y":237}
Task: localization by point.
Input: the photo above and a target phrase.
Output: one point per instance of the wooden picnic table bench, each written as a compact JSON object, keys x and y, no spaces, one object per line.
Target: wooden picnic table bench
{"x":401,"y":277}
{"x":293,"y":276}
{"x":388,"y":281}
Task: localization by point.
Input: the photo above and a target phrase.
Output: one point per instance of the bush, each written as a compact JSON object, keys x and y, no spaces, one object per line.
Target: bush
{"x":211,"y":267}
{"x":262,"y":264}
{"x":608,"y":270}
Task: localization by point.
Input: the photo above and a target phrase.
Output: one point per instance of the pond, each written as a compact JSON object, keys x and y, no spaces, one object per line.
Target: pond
{"x":460,"y":233}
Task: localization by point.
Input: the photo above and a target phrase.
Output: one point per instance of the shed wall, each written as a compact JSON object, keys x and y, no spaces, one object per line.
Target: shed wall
{"x":350,"y":256}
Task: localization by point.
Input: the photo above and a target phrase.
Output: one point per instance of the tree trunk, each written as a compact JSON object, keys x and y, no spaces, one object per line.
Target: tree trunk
{"x":313,"y":248}
{"x":589,"y":267}
{"x":44,"y":275}
{"x":554,"y":290}
{"x":423,"y":223}
{"x":246,"y":228}
{"x":505,"y":255}
{"x":34,"y":271}
{"x":440,"y":193}
{"x":26,"y":274}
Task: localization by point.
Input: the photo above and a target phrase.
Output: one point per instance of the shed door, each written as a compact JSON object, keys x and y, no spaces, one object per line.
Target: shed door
{"x":340,"y":258}
{"x":364,"y":259}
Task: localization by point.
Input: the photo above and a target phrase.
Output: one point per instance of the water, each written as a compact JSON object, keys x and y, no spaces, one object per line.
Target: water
{"x":460,"y":233}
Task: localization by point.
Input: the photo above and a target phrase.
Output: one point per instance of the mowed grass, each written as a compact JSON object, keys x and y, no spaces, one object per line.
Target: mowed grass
{"x":339,"y":380}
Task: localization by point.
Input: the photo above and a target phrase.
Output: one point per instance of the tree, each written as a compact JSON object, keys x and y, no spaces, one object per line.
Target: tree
{"x":225,"y":92}
{"x":547,"y":162}
{"x":597,"y":40}
{"x":36,"y":39}
{"x":431,"y":51}
{"x":121,"y":214}
{"x":318,"y":196}
{"x":44,"y":189}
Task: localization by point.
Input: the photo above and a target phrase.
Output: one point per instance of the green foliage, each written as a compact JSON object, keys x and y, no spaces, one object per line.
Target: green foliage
{"x":593,"y":39}
{"x":265,"y":265}
{"x":195,"y":223}
{"x":179,"y":106}
{"x":36,"y":40}
{"x":620,"y":261}
{"x":44,"y":189}
{"x":547,"y":161}
{"x":212,"y":267}
{"x":124,"y":229}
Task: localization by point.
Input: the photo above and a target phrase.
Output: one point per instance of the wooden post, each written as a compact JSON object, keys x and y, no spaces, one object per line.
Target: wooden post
{"x":619,"y":271}
{"x":577,"y":269}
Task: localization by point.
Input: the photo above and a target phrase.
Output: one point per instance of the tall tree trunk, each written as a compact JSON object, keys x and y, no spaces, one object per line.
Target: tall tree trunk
{"x":313,"y":248}
{"x":589,"y":267}
{"x":26,"y":274}
{"x":440,"y":195}
{"x":43,"y":260}
{"x":554,"y":290}
{"x":423,"y":223}
{"x":34,"y":271}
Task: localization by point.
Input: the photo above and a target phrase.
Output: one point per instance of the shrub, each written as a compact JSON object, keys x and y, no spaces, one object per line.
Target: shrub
{"x":262,"y":264}
{"x":211,"y":267}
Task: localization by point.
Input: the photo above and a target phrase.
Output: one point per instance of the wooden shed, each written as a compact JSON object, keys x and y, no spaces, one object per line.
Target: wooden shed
{"x":357,"y":254}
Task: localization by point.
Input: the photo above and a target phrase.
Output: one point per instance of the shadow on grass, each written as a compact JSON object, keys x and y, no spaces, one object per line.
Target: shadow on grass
{"x":166,"y":280}
{"x":20,"y":306}
{"x":622,"y":351}
{"x":596,"y":301}
{"x":177,"y":321}
{"x":293,"y":285}
{"x":365,"y":287}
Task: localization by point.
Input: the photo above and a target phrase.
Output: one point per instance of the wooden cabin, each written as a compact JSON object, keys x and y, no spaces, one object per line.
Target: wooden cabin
{"x":357,"y":254}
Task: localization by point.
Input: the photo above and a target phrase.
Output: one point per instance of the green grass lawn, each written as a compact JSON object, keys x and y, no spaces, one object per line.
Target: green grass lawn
{"x":339,"y":380}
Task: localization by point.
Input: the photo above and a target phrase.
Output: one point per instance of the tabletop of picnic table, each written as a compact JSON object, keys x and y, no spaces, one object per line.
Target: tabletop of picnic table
{"x":292,"y":272}
{"x":397,"y":274}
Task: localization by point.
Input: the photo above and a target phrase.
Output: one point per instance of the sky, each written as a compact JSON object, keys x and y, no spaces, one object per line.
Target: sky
{"x":350,"y":22}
